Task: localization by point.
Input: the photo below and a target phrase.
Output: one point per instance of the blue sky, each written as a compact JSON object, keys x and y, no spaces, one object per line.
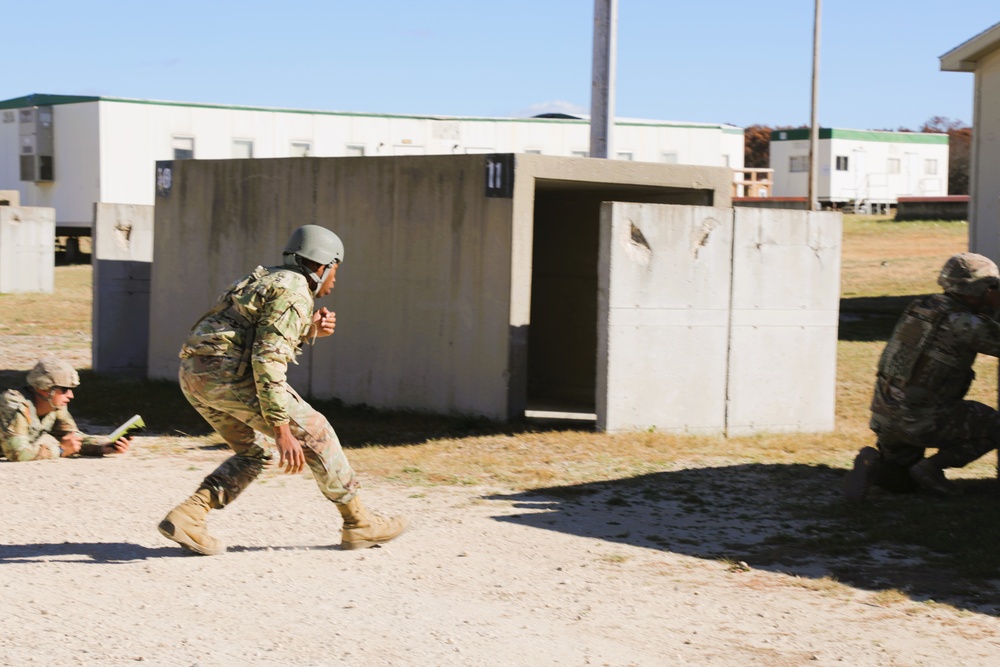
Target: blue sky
{"x":708,"y":61}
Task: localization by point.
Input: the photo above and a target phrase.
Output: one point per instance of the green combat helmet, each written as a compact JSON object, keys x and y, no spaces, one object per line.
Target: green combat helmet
{"x":317,"y":244}
{"x":969,"y":274}
{"x":51,"y":372}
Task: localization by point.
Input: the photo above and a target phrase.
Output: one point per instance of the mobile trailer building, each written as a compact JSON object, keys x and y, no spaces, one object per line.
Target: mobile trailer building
{"x":70,"y":152}
{"x":861,"y":168}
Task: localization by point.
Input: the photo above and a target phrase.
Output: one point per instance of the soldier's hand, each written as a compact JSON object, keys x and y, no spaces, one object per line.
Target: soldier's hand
{"x":290,"y":449}
{"x":70,"y":444}
{"x":120,"y":446}
{"x":324,"y":322}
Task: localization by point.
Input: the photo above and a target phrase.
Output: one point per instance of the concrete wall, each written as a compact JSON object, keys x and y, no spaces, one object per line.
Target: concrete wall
{"x":717,"y":319}
{"x":27,"y":249}
{"x":10,"y":198}
{"x":984,"y":211}
{"x":422,"y":297}
{"x":433,"y":299}
{"x":122,"y":258}
{"x":785,"y":304}
{"x":663,"y":317}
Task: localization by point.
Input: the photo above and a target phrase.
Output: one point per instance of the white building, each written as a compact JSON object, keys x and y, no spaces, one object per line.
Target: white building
{"x":860,"y":167}
{"x":68,"y":152}
{"x":981,"y":55}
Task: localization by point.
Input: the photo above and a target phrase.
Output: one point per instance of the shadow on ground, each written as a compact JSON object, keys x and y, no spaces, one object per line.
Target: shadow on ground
{"x":109,"y":400}
{"x":116,"y":552}
{"x":870,"y":318}
{"x":792,"y":519}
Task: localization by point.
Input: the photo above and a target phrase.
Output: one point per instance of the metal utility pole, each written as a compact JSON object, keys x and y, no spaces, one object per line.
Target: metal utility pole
{"x":814,"y":123}
{"x":602,"y":88}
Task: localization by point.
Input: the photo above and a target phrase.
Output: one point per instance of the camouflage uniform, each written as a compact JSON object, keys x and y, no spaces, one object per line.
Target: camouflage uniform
{"x":923,"y":376}
{"x":233,"y":372}
{"x":24,"y":436}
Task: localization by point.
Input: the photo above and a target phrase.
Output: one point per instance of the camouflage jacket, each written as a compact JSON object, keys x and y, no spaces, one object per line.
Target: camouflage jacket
{"x":926,"y":366}
{"x":24,"y":436}
{"x":263,"y":320}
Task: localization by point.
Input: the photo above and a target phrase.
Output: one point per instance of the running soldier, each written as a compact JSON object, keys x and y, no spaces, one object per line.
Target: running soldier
{"x":923,"y":376}
{"x":233,"y":371}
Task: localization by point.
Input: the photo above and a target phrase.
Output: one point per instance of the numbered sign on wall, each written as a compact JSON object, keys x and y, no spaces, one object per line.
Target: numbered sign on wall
{"x":500,"y":175}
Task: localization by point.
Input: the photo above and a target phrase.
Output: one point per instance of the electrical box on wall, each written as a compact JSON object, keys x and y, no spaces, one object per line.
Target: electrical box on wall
{"x":36,"y":134}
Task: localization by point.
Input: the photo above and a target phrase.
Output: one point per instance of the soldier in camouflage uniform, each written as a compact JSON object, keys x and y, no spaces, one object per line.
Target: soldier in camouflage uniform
{"x":923,"y":376}
{"x":232,"y":371}
{"x":36,"y":424}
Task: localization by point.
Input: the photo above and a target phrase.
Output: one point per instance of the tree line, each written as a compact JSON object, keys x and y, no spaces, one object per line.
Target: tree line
{"x":757,"y":151}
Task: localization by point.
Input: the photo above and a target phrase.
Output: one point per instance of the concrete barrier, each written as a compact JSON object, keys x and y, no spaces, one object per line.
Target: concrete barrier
{"x":717,"y":319}
{"x":469,"y":283}
{"x":122,"y":259}
{"x":27,"y":249}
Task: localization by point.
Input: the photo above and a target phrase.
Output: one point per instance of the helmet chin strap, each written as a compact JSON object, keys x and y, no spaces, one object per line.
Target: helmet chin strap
{"x":316,"y":279}
{"x":312,"y":275}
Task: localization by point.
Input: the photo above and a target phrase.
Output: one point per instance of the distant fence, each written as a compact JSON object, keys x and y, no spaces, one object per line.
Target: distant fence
{"x":954,"y":207}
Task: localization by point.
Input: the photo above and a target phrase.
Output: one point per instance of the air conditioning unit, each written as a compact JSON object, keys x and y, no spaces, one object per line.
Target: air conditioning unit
{"x":36,"y":134}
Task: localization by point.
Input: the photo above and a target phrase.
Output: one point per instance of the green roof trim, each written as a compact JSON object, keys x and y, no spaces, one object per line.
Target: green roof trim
{"x":47,"y":100}
{"x":861,"y":135}
{"x":37,"y":100}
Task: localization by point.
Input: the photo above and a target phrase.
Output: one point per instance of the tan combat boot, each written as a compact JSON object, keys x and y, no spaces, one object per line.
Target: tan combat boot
{"x":185,"y":525}
{"x":363,"y":529}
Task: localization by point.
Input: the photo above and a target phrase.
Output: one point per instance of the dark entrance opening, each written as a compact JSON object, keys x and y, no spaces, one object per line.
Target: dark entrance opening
{"x":562,"y":336}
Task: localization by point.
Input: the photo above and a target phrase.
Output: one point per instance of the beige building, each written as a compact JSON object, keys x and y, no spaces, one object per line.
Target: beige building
{"x":981,"y":55}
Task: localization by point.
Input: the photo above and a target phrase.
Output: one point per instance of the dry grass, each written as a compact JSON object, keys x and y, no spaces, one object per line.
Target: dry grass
{"x":885,"y":258}
{"x":65,"y":311}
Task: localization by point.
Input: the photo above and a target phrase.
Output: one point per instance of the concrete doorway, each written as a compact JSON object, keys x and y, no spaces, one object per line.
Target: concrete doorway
{"x":562,"y":336}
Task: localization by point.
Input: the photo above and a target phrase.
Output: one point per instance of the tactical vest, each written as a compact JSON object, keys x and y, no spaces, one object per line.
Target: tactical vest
{"x":909,"y":360}
{"x":226,"y":307}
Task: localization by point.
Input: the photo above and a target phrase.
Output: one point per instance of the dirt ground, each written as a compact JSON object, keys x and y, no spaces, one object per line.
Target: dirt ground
{"x":484,"y":577}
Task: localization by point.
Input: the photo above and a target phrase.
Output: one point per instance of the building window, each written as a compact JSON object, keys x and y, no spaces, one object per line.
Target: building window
{"x":798,"y":163}
{"x":841,"y":163}
{"x":183,"y":148}
{"x":242,"y":148}
{"x":300,"y":149}
{"x":579,"y":153}
{"x":670,"y":158}
{"x":725,"y":160}
{"x":354,"y":150}
{"x":893,"y":165}
{"x":930,"y":167}
{"x":626,"y":155}
{"x":533,"y":151}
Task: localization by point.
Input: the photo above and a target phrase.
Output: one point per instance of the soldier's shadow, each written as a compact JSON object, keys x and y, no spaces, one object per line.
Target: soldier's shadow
{"x":104,"y":553}
{"x":792,"y":519}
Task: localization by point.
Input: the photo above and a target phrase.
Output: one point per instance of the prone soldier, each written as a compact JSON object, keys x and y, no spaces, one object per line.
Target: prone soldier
{"x":35,"y":422}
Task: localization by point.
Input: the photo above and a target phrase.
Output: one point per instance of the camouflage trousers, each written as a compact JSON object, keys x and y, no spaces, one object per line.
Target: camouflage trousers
{"x":229,"y":403}
{"x":962,"y":434}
